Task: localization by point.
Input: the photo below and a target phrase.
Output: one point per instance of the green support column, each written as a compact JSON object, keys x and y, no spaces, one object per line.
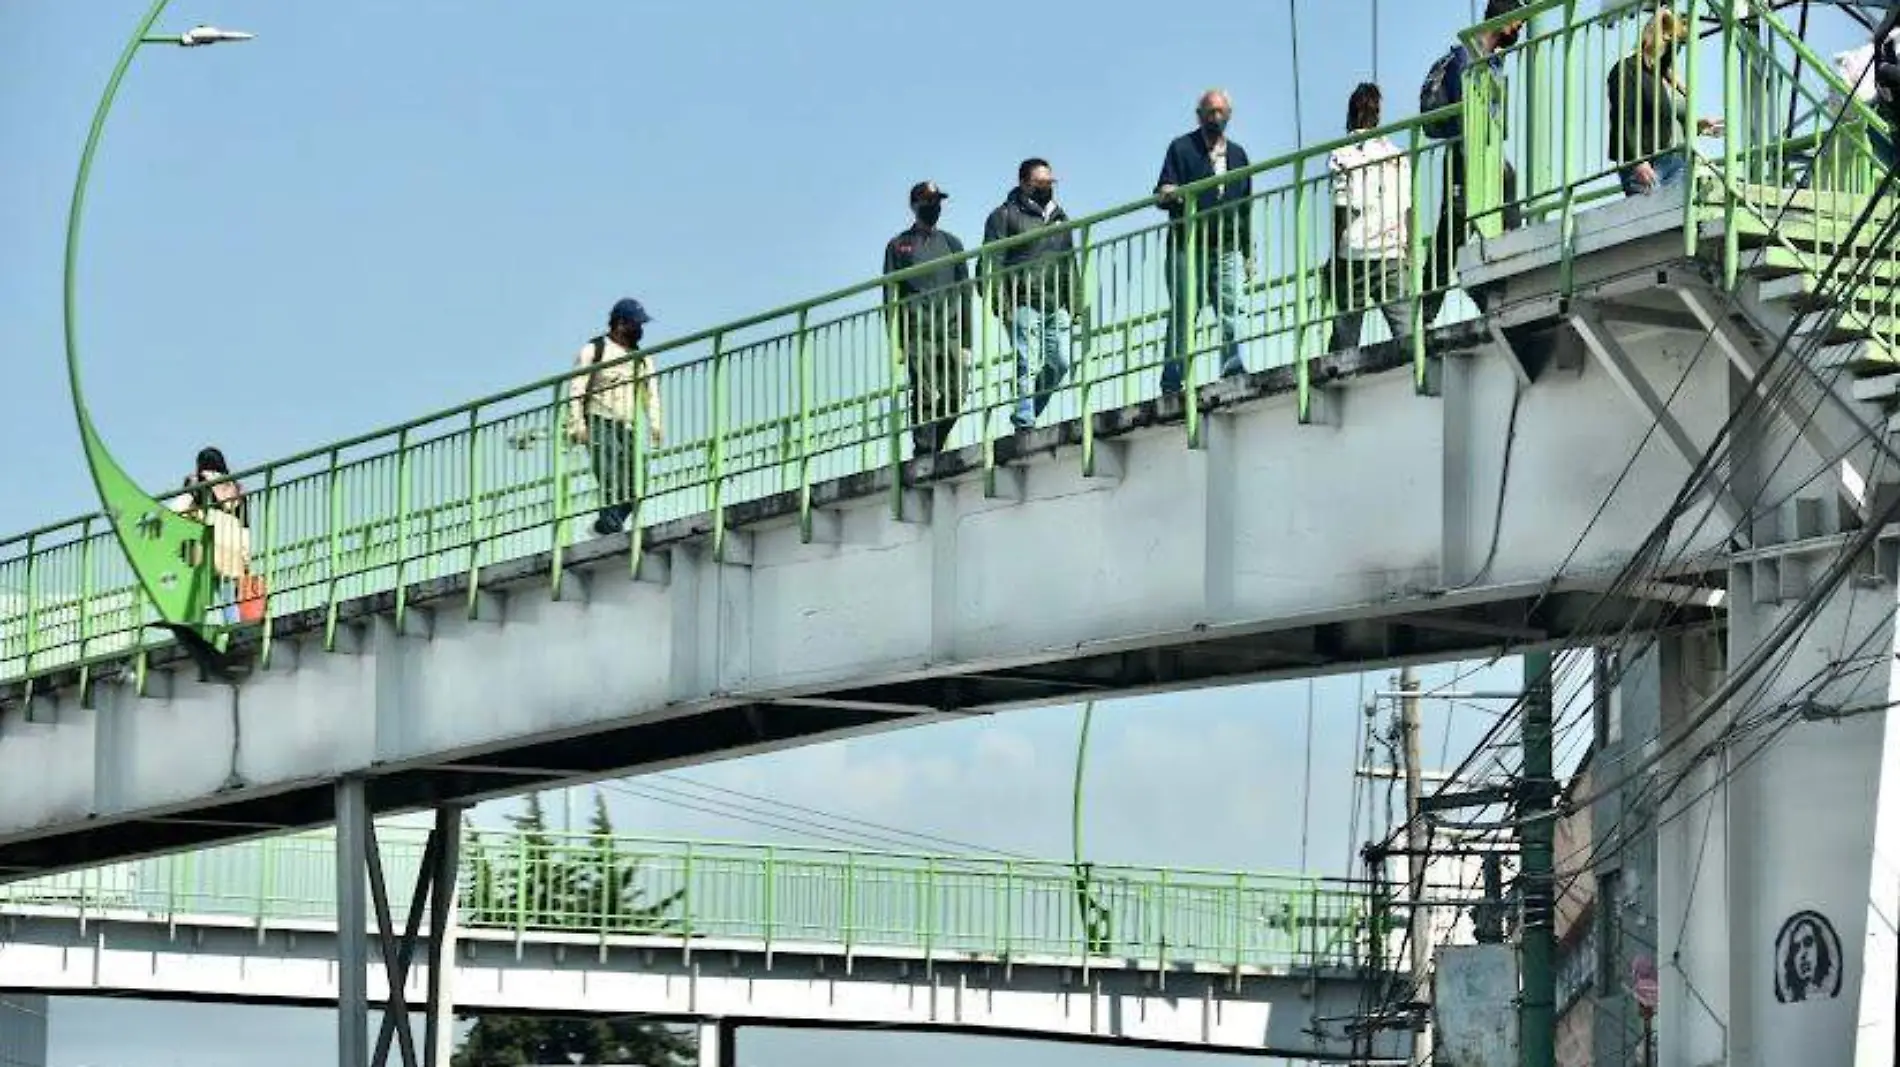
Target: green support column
{"x":1537,"y":1015}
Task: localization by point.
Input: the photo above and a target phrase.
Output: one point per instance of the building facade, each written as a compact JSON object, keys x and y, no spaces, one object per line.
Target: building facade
{"x":1606,"y":855}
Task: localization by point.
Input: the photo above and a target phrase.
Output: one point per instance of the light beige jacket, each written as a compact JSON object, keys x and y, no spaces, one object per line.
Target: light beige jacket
{"x":611,"y":391}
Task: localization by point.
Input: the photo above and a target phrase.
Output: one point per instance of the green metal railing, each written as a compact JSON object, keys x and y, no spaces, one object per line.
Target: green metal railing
{"x":777,"y":402}
{"x":550,"y":884}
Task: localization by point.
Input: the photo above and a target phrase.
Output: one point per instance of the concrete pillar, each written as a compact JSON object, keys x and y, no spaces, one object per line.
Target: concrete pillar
{"x":352,"y":918}
{"x":716,"y":1044}
{"x":1766,"y":876}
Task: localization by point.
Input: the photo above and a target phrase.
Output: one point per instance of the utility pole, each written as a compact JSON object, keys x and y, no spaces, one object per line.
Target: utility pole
{"x":1416,"y":862}
{"x":1537,"y":1017}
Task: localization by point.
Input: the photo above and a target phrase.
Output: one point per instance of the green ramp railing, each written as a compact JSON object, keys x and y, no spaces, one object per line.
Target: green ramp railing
{"x":694,"y":891}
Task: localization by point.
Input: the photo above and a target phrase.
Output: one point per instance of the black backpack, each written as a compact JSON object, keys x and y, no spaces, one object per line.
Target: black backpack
{"x":1436,"y":94}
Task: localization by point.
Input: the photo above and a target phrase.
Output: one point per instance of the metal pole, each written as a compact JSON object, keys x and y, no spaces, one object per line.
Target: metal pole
{"x":1537,"y":1015}
{"x":352,"y":923}
{"x":444,"y":902}
{"x":1416,"y":862}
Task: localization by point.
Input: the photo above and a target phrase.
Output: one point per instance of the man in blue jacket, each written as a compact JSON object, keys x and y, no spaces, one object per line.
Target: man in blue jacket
{"x":1222,"y":234}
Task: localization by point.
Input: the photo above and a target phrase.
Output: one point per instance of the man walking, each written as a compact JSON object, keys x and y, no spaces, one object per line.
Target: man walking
{"x":1222,"y":236}
{"x":1444,"y":86}
{"x":604,"y":403}
{"x":1034,"y":285}
{"x":1372,"y":206}
{"x":928,"y":313}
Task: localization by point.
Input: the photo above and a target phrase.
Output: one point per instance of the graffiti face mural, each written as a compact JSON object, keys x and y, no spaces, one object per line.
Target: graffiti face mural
{"x":1807,"y":959}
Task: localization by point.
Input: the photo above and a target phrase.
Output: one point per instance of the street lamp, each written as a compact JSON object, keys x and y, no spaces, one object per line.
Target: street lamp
{"x":168,"y":552}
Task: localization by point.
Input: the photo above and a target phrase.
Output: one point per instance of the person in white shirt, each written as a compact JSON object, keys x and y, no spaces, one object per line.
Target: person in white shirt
{"x":1372,"y":208}
{"x":611,"y":390}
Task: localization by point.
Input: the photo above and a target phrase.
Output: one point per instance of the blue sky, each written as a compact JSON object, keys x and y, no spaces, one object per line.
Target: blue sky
{"x":377,"y":209}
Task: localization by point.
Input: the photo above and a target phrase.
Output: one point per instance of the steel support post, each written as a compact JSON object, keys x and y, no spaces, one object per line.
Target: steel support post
{"x":352,"y":922}
{"x":444,"y":899}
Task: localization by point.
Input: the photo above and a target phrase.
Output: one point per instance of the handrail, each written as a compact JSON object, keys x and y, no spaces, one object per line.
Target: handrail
{"x":760,"y":318}
{"x":685,"y":890}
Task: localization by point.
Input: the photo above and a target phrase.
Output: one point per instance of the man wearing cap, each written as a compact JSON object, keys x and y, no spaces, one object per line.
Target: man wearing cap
{"x":928,"y":313}
{"x":603,"y":406}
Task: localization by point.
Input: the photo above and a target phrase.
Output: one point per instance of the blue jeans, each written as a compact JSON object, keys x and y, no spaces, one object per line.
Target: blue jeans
{"x":1220,"y":280}
{"x":1669,"y":168}
{"x":1036,"y":333}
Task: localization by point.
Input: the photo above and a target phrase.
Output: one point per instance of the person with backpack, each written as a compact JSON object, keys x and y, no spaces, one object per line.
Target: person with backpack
{"x":1036,"y":285}
{"x":212,"y":497}
{"x":1444,"y":86}
{"x":604,"y":401}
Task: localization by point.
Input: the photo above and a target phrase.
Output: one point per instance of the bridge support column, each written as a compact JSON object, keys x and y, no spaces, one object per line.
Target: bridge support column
{"x":1775,"y":918}
{"x":352,"y":922}
{"x":716,"y":1044}
{"x":362,"y":889}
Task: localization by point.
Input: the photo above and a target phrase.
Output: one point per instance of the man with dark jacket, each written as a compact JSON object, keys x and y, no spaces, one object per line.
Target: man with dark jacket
{"x":1443,"y":258}
{"x":1222,"y":233}
{"x":1033,"y":285}
{"x":927,"y":312}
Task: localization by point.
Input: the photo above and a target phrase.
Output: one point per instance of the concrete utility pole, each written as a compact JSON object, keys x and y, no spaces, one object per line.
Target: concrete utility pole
{"x":1416,"y":862}
{"x":1537,"y":1019}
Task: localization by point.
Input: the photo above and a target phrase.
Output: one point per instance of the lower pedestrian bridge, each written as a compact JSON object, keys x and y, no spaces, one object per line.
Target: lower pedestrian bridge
{"x":762,"y":934}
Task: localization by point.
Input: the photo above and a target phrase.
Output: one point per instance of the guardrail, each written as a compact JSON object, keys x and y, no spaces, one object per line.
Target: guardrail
{"x":696,"y":890}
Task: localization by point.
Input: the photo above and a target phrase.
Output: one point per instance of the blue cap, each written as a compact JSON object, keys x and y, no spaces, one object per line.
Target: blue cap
{"x":629,"y":309}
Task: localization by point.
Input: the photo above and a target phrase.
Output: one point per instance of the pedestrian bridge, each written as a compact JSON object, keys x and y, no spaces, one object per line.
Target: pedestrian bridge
{"x":1673,"y":413}
{"x":1225,"y":961}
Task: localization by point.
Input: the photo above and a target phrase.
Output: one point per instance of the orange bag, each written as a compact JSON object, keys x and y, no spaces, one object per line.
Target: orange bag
{"x":251,"y":596}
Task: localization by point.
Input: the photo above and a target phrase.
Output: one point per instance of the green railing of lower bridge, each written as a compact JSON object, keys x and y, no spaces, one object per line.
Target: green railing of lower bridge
{"x":696,"y":891}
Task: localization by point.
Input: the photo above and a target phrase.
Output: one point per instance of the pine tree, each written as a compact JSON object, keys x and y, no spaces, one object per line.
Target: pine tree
{"x":545,"y":884}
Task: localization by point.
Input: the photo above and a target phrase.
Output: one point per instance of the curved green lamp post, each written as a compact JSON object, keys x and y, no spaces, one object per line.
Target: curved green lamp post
{"x":168,"y":552}
{"x":1094,"y":915}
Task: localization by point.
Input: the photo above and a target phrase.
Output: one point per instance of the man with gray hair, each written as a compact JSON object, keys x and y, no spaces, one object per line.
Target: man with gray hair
{"x":1207,"y":258}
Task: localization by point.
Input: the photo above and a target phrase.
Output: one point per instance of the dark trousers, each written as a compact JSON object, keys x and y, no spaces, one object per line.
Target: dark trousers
{"x":1442,"y":263}
{"x":610,"y":446}
{"x":1356,"y":287}
{"x":933,"y":358}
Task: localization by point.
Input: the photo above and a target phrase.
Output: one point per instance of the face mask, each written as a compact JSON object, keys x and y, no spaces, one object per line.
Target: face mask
{"x":1042,"y":196}
{"x":928,"y":214}
{"x":1213,"y":127}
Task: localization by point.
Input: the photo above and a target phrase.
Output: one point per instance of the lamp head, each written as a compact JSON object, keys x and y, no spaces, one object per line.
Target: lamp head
{"x":203,"y":35}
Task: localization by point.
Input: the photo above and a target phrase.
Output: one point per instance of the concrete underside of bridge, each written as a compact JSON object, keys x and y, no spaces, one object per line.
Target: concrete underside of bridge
{"x":1395,"y":527}
{"x":1300,"y":1015}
